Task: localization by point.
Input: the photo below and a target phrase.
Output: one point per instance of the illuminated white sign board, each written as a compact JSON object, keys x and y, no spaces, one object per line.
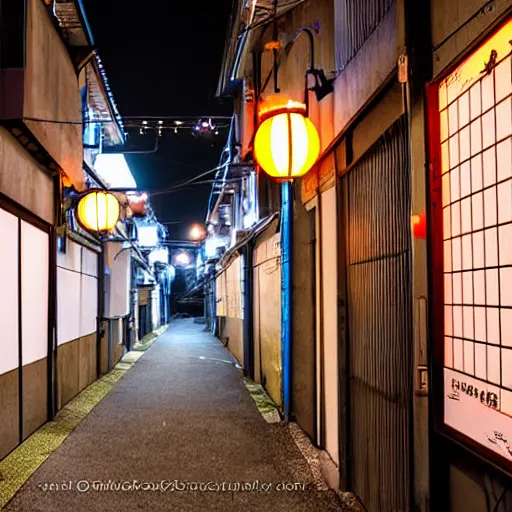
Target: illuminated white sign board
{"x":476,"y":175}
{"x":148,"y":236}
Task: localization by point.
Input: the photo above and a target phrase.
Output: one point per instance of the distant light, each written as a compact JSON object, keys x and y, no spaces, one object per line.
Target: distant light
{"x":197,"y":233}
{"x":178,"y":122}
{"x":183,"y":258}
{"x":217,"y":133}
{"x":144,"y":122}
{"x":159,"y":256}
{"x":205,"y":124}
{"x":160,"y":122}
{"x":210,"y":246}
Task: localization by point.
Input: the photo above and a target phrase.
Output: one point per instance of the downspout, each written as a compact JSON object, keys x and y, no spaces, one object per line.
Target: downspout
{"x":206,"y":305}
{"x":320,"y":393}
{"x":248,"y":312}
{"x":286,"y":302}
{"x":53,"y":382}
{"x":101,"y":307}
{"x":214,"y":305}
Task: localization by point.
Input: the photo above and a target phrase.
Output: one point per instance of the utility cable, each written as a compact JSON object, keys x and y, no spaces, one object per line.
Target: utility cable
{"x":188,"y":182}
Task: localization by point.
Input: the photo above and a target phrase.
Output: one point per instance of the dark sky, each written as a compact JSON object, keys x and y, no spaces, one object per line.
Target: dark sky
{"x":163,"y":58}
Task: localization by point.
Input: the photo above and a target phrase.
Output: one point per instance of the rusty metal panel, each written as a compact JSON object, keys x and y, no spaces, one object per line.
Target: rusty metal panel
{"x":376,"y":196}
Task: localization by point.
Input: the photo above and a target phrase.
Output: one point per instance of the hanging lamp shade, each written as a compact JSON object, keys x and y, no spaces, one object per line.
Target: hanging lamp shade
{"x":98,"y":211}
{"x":286,"y":145}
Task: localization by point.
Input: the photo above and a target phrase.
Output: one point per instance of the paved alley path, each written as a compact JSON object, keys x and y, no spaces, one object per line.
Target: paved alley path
{"x":175,"y":416}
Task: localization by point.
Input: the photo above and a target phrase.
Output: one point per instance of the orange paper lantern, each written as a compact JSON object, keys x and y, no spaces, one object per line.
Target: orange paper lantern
{"x":286,"y":145}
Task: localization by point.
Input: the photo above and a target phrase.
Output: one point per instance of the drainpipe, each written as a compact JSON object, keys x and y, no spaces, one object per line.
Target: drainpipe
{"x":320,"y":393}
{"x":286,"y":303}
{"x":101,"y":305}
{"x":214,"y":304}
{"x":53,"y":382}
{"x":248,"y":312}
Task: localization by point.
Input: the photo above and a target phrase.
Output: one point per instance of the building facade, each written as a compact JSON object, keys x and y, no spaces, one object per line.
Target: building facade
{"x":66,"y":314}
{"x":398,"y":252}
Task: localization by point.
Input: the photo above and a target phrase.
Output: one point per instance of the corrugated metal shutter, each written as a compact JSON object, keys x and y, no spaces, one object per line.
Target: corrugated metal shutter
{"x":354,"y":23}
{"x":377,"y":231}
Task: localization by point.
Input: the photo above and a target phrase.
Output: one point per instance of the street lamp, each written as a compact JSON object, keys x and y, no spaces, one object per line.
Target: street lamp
{"x":197,"y":233}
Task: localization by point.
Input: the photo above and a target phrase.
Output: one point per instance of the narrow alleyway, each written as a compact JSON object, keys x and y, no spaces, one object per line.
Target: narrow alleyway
{"x":183,"y":414}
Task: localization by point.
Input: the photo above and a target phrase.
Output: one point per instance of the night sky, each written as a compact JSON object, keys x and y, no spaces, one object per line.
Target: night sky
{"x":163,"y":58}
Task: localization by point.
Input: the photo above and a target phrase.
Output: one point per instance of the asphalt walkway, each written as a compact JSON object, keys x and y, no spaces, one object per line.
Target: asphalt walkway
{"x":178,"y":432}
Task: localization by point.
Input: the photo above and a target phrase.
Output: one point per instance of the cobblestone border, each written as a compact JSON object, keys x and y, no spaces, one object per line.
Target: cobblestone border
{"x":264,"y":403}
{"x":312,"y":456}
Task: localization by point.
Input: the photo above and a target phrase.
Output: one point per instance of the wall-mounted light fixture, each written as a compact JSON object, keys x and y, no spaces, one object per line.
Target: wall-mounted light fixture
{"x":287,"y":144}
{"x":98,"y":211}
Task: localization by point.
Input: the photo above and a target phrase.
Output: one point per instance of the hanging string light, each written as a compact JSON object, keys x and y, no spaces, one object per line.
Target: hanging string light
{"x":204,"y":126}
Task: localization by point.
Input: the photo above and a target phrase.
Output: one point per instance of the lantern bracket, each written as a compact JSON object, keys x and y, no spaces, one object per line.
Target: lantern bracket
{"x":322,"y":85}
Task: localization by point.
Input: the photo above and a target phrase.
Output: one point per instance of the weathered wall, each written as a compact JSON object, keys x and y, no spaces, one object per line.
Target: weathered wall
{"x":77,"y":292}
{"x":267,"y":301}
{"x":17,"y":166}
{"x":77,"y":310}
{"x":52,"y":94}
{"x":9,"y":400}
{"x":295,"y":62}
{"x":117,"y":296}
{"x":230,"y":308}
{"x":329,"y":272}
{"x":303,"y":316}
{"x":377,"y":120}
{"x":35,"y":254}
{"x":76,"y":367}
{"x":359,"y":78}
{"x":24,"y":327}
{"x":451,"y":35}
{"x":35,"y":396}
{"x":366,"y":72}
{"x":233,"y":336}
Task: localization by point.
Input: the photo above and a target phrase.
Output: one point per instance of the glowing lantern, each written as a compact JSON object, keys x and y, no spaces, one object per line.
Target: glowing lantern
{"x":98,"y":211}
{"x":286,"y":144}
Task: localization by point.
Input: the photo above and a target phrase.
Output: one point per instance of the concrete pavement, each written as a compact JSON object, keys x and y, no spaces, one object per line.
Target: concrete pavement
{"x":178,"y":432}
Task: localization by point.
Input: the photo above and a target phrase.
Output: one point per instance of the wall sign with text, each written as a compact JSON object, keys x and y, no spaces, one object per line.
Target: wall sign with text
{"x":473,"y":241}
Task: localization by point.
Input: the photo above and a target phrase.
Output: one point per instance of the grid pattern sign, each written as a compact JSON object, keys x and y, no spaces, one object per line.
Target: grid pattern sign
{"x":475,"y":115}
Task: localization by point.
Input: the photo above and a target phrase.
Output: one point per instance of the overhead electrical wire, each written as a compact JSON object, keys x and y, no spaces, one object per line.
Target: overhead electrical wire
{"x":185,"y":183}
